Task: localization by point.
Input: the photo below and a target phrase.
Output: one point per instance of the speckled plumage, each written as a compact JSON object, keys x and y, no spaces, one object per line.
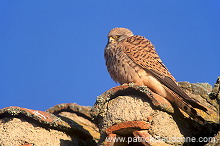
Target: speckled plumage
{"x":132,"y":58}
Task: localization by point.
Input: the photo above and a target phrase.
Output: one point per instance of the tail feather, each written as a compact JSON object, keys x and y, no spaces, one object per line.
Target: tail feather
{"x":186,"y":107}
{"x":190,"y":111}
{"x":175,"y":89}
{"x":180,"y":98}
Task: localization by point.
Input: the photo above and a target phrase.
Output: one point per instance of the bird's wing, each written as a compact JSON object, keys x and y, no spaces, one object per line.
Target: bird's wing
{"x":142,"y":52}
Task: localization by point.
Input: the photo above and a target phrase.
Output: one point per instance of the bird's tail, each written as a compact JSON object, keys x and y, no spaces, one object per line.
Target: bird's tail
{"x":193,"y":108}
{"x":188,"y":108}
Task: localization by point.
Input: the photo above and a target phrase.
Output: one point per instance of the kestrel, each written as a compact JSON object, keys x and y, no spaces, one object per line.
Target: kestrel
{"x":132,"y":59}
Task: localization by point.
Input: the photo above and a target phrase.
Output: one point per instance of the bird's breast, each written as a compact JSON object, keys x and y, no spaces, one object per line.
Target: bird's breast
{"x":122,"y":69}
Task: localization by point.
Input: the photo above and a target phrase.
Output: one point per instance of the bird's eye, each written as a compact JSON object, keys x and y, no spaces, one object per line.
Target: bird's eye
{"x":117,"y":36}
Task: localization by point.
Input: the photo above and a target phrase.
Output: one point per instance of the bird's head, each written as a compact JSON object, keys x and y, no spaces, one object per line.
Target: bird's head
{"x":118,"y":34}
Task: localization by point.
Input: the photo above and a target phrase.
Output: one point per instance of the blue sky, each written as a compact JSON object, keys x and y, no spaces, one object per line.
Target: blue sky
{"x":51,"y":52}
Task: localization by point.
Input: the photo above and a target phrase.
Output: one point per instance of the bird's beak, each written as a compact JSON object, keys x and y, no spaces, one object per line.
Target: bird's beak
{"x":111,"y":39}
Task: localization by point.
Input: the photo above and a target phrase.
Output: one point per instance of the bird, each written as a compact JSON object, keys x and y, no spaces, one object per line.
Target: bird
{"x":133,"y":59}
